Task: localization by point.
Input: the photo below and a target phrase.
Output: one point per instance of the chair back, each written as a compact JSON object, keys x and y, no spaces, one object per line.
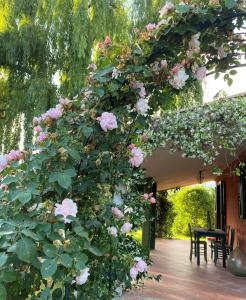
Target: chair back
{"x":232,"y":239}
{"x":190,"y":231}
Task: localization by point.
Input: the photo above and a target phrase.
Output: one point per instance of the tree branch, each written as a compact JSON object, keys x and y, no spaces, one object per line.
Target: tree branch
{"x":230,"y":68}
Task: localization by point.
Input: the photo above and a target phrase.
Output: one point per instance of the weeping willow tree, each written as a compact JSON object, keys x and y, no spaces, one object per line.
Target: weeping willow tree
{"x":45,"y":47}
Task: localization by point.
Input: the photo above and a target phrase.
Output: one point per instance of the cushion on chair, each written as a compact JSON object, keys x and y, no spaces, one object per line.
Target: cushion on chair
{"x":211,"y":238}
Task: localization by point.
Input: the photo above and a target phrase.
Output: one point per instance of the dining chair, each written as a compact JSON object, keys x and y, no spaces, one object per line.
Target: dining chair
{"x":218,"y":250}
{"x":193,"y":245}
{"x":212,"y":240}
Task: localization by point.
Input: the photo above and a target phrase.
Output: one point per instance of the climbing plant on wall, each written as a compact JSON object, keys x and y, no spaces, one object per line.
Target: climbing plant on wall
{"x":69,"y":201}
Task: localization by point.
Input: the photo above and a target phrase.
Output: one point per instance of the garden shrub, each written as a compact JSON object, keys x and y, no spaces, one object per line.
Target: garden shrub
{"x":191,"y":205}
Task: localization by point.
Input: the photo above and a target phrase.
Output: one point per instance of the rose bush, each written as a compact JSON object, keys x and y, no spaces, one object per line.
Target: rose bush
{"x":69,"y":199}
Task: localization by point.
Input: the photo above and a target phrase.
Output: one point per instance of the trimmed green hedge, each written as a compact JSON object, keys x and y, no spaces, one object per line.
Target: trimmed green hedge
{"x":190,"y":206}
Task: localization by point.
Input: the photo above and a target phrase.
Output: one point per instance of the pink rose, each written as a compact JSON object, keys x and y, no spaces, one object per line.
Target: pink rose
{"x":131,"y":146}
{"x":37,"y":120}
{"x":64,"y":101}
{"x":126,"y":228}
{"x":146,"y":196}
{"x":67,"y":208}
{"x":151,"y":27}
{"x":42,"y":137}
{"x":152,"y":200}
{"x":200,"y":74}
{"x":38,"y":129}
{"x":14,"y":155}
{"x":100,"y":45}
{"x":117,"y":213}
{"x":107,"y":41}
{"x":54,"y":113}
{"x":107,"y":121}
{"x":166,"y":9}
{"x":139,"y":85}
{"x":3,"y":162}
{"x":141,"y":266}
{"x":133,"y":273}
{"x":136,"y":157}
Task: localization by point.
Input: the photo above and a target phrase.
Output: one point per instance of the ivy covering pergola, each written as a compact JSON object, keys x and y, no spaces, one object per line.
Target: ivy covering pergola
{"x":204,"y":131}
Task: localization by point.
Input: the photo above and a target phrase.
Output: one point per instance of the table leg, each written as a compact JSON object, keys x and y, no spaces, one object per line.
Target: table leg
{"x":198,"y":249}
{"x":224,"y":250}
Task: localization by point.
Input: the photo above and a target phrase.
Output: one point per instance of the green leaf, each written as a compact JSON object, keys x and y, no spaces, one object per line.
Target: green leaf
{"x":26,"y":250}
{"x":45,"y":294}
{"x":3,"y":292}
{"x":50,"y":250}
{"x":10,"y":179}
{"x":66,"y":260}
{"x":81,"y":260}
{"x":3,"y":259}
{"x":230,"y":3}
{"x":80,"y":231}
{"x":64,"y":181}
{"x":57,"y":294}
{"x":74,"y":154}
{"x":96,"y":251}
{"x":24,"y":197}
{"x":182,"y":8}
{"x":8,"y":276}
{"x":49,"y":267}
{"x":31,"y":234}
{"x":87,"y":131}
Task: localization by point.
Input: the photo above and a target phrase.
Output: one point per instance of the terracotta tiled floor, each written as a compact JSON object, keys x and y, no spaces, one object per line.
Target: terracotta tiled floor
{"x":182,"y":280}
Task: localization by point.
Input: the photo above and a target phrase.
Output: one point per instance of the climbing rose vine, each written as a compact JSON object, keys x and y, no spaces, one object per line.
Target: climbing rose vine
{"x":70,"y":201}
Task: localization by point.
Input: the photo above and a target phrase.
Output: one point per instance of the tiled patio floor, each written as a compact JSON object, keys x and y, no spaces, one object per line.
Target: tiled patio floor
{"x":182,"y":280}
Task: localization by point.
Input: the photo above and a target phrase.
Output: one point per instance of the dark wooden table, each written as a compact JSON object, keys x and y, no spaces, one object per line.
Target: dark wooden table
{"x":204,"y":232}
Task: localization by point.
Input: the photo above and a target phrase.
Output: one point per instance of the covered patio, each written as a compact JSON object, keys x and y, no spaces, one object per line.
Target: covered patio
{"x":182,"y":280}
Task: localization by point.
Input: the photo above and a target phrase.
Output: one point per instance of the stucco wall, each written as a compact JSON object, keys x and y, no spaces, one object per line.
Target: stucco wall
{"x":232,"y":215}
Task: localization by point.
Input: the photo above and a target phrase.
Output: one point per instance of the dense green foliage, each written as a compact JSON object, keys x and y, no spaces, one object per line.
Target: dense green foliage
{"x":191,"y":205}
{"x":164,"y":216}
{"x":90,"y":151}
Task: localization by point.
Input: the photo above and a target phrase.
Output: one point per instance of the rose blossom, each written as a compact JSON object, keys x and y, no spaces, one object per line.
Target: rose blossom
{"x":54,"y":113}
{"x":139,"y":85}
{"x":42,"y":137}
{"x":14,"y":155}
{"x":146,"y":196}
{"x":166,"y":9}
{"x":142,"y":106}
{"x":200,"y":73}
{"x":3,"y":162}
{"x":131,"y":146}
{"x":128,"y":210}
{"x":67,"y":208}
{"x":133,"y":272}
{"x":83,"y":277}
{"x":152,"y":200}
{"x":126,"y":228}
{"x":194,"y":43}
{"x":117,"y":213}
{"x":141,"y":266}
{"x":112,"y":231}
{"x":38,"y":129}
{"x":136,"y":157}
{"x":179,"y":78}
{"x":64,"y":101}
{"x":107,"y":41}
{"x":37,"y":120}
{"x":107,"y":121}
{"x":151,"y":27}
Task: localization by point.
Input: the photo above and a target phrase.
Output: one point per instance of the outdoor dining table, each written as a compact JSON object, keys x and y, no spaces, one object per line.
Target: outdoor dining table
{"x":204,"y":232}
